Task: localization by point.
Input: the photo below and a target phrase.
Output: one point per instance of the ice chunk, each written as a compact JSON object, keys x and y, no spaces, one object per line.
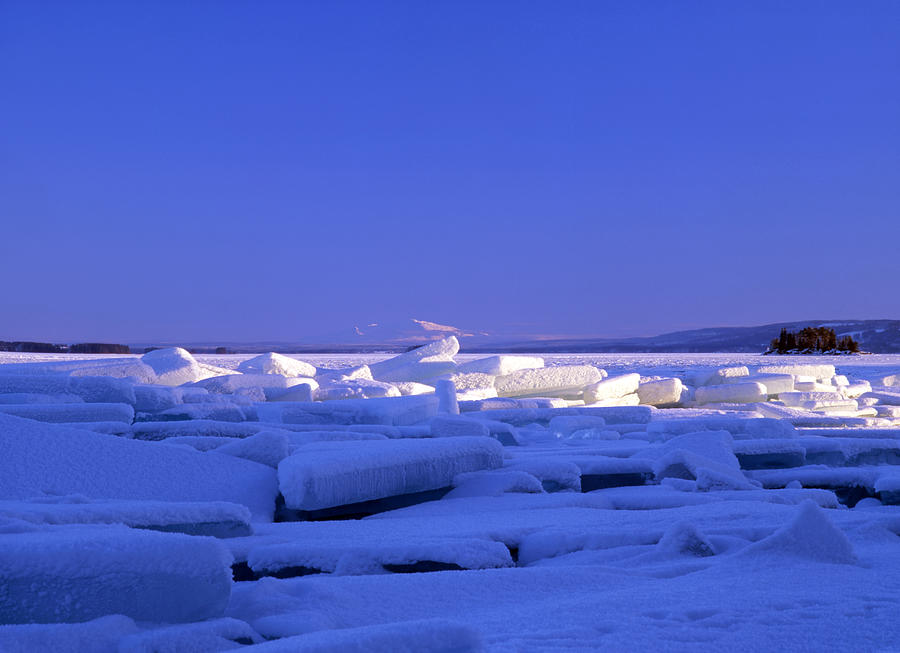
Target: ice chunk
{"x":628,"y":400}
{"x":215,"y":518}
{"x":473,"y":385}
{"x":355,"y":389}
{"x":612,"y":388}
{"x":775,"y":383}
{"x":704,"y":456}
{"x":300,"y":392}
{"x":36,"y":398}
{"x":413,"y":388}
{"x":816,"y":371}
{"x":339,"y":473}
{"x":445,"y":426}
{"x":266,"y":447}
{"x":445,"y":391}
{"x":198,"y":428}
{"x":727,"y":375}
{"x":273,"y":363}
{"x":856,"y":389}
{"x":77,"y":573}
{"x":493,"y":483}
{"x":665,"y":392}
{"x":228,"y":383}
{"x":737,"y":426}
{"x":41,"y":459}
{"x":889,"y":380}
{"x":71,"y":412}
{"x":731,"y":392}
{"x":567,"y":380}
{"x":500,"y":365}
{"x":221,"y":410}
{"x":395,"y":369}
{"x":92,"y":389}
{"x":804,"y":399}
{"x":174,"y":366}
{"x":810,"y":535}
{"x":399,"y":411}
{"x":564,"y":426}
{"x":156,"y":398}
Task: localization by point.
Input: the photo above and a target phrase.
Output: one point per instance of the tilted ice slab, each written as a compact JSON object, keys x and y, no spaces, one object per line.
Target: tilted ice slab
{"x":77,"y":573}
{"x":547,"y":381}
{"x":273,"y":363}
{"x":216,"y":518}
{"x":403,"y":367}
{"x":44,"y":459}
{"x":333,"y":474}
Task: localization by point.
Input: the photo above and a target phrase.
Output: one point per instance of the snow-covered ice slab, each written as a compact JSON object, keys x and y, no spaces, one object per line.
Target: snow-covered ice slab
{"x":44,"y":459}
{"x":568,"y":380}
{"x":731,"y":393}
{"x":96,"y":412}
{"x":420,"y":364}
{"x":351,"y":557}
{"x":612,"y":388}
{"x":213,"y":518}
{"x":739,"y":427}
{"x":93,"y":389}
{"x":327,"y":475}
{"x":230,"y":383}
{"x":77,"y":573}
{"x":398,"y":411}
{"x":273,"y":363}
{"x":119,"y":368}
{"x":500,"y":365}
{"x":665,"y":392}
{"x":821,"y":372}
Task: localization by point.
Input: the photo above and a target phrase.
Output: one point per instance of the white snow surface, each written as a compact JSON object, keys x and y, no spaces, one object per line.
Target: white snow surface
{"x":721,"y":519}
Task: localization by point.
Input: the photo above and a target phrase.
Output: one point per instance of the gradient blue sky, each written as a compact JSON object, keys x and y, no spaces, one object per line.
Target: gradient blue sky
{"x":271,"y":170}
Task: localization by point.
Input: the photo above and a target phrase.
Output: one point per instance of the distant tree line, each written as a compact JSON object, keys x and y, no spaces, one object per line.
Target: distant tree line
{"x":812,"y":340}
{"x":49,"y":348}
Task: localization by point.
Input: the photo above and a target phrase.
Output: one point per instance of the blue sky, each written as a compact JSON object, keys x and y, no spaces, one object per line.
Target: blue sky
{"x":275,"y":170}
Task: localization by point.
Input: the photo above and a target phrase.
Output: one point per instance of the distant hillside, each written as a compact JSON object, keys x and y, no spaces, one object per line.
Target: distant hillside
{"x":876,"y":336}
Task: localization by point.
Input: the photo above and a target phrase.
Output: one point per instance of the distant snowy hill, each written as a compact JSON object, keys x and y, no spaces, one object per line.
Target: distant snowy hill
{"x":876,"y":336}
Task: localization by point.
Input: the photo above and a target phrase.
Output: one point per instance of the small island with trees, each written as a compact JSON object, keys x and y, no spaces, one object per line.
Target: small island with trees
{"x":812,"y":340}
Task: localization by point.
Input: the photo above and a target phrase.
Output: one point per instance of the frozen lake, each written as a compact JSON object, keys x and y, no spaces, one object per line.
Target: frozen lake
{"x":444,"y":502}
